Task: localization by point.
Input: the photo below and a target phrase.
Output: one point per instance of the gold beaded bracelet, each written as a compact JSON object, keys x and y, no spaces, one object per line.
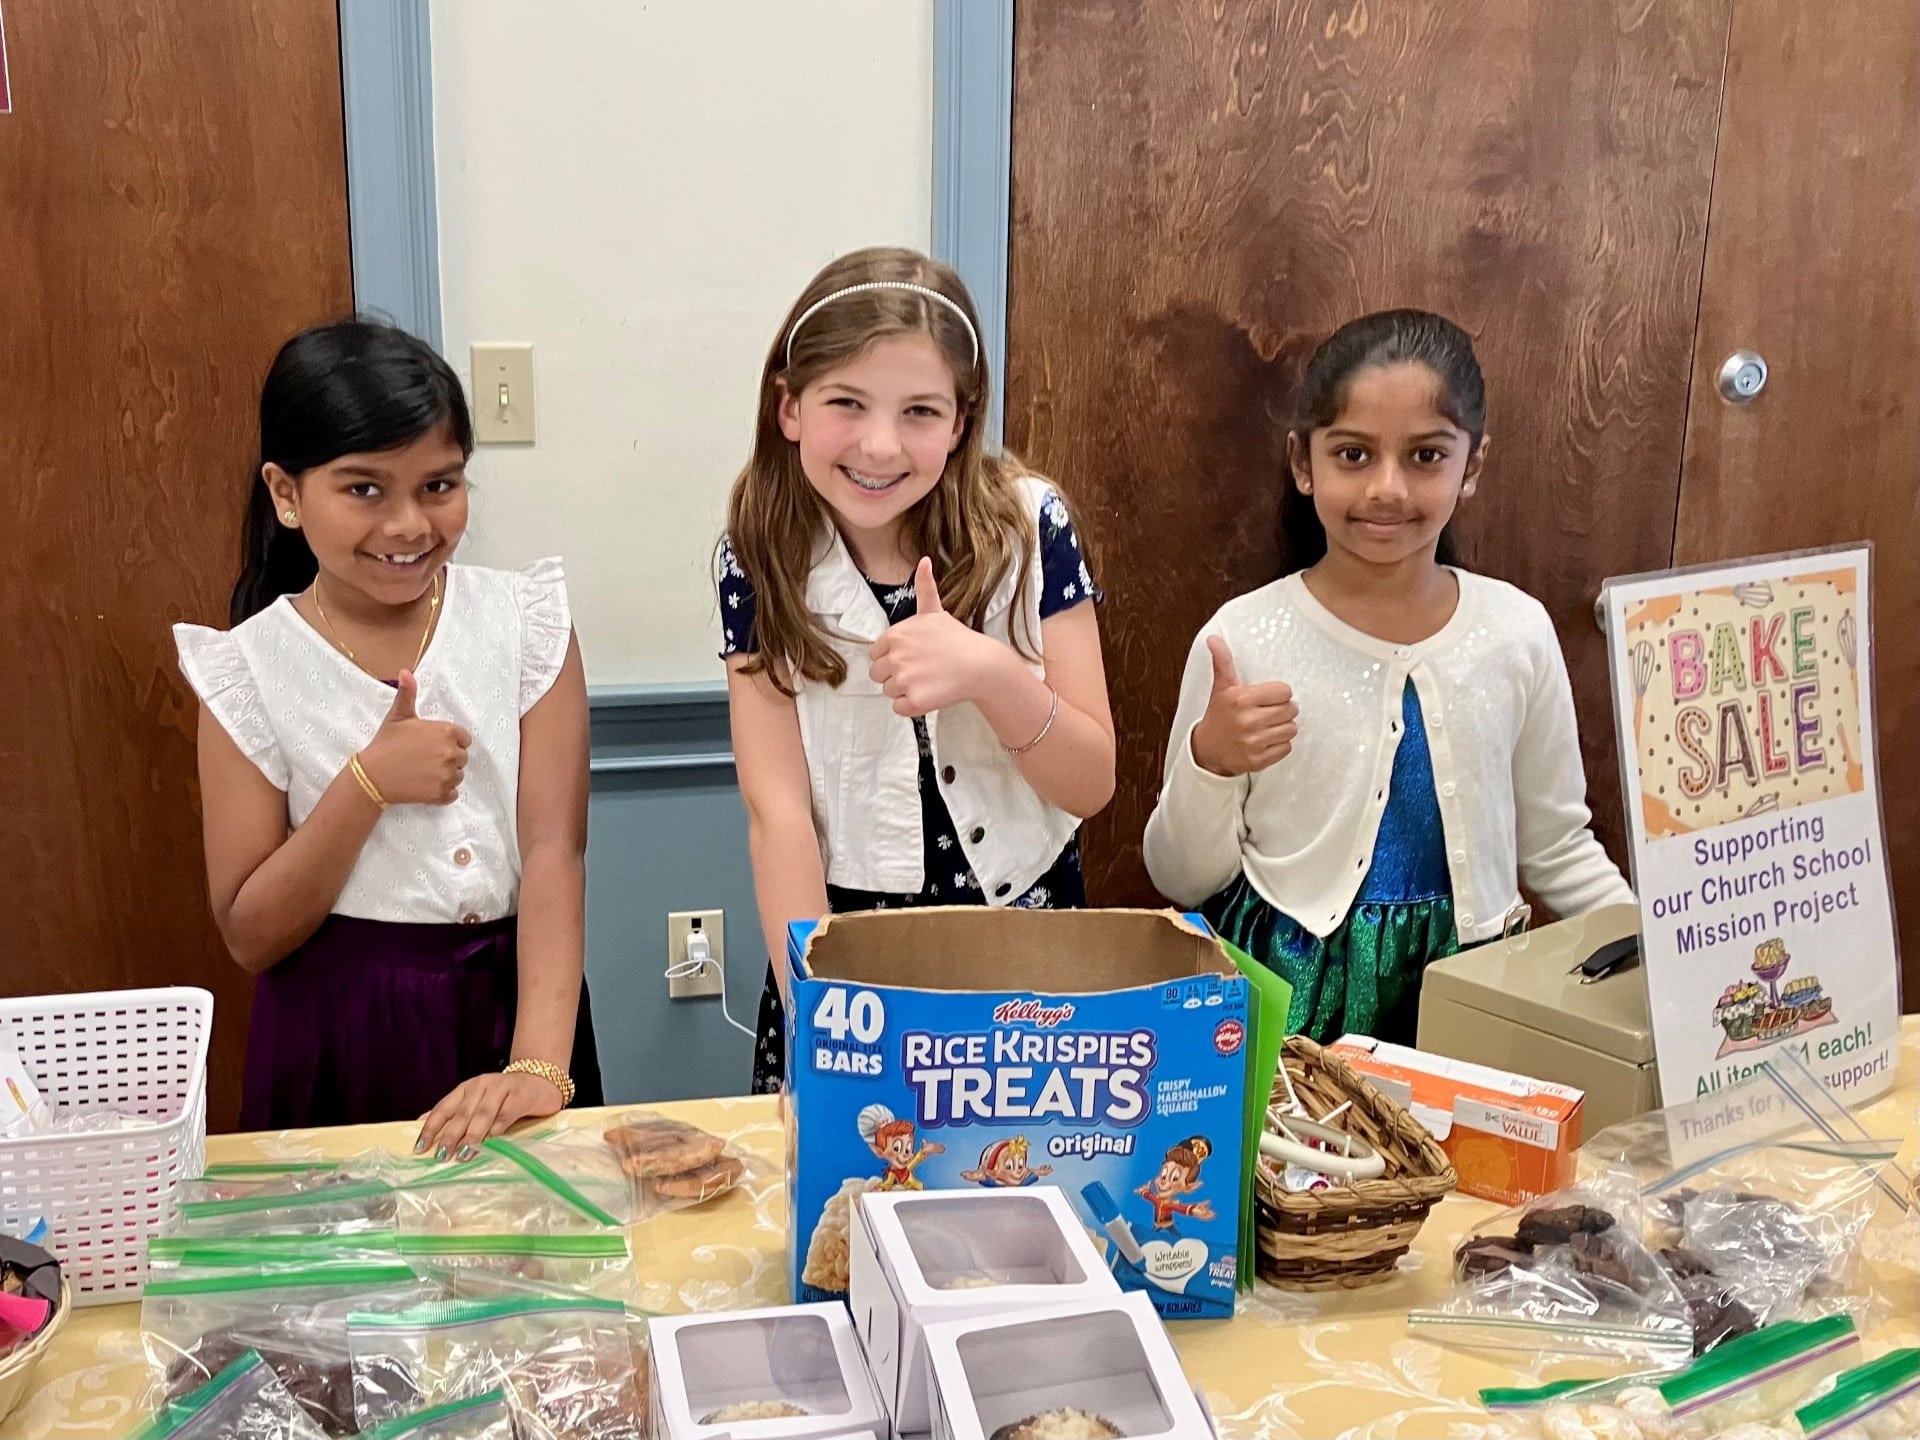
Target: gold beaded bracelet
{"x":547,"y":1071}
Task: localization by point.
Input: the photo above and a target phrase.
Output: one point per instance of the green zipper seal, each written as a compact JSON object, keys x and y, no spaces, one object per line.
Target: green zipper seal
{"x":578,"y":1247}
{"x":1511,"y":1399}
{"x":250,"y":1204}
{"x":304,"y":1279}
{"x":1861,"y":1390}
{"x":445,"y":1313}
{"x":1772,"y":1348}
{"x":548,"y":1177}
{"x":242,"y":1249}
{"x":402,"y":1425}
{"x":176,"y":1413}
{"x":233,"y":1169}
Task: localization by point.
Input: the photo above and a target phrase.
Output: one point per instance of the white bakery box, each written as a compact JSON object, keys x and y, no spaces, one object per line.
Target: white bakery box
{"x":919,"y":1257}
{"x":792,"y":1372}
{"x":1101,"y":1368}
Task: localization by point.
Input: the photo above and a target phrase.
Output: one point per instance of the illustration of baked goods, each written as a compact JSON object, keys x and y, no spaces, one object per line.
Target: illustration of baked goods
{"x":828,"y":1249}
{"x":753,"y":1410}
{"x":1062,"y":1424}
{"x":650,"y":1146}
{"x":702,"y":1184}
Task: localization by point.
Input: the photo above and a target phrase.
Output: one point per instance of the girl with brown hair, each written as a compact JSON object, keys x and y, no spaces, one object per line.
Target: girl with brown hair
{"x":919,"y":706}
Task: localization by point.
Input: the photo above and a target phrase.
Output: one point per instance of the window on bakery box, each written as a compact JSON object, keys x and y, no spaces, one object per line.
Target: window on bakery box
{"x":787,"y":1361}
{"x":1091,"y":1363}
{"x":960,"y":1245}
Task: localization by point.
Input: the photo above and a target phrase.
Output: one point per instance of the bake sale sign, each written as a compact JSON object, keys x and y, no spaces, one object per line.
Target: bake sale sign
{"x":1743,"y":700}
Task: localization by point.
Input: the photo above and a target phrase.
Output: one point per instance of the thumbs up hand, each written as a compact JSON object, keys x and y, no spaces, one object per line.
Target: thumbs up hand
{"x":1247,"y":728}
{"x":926,"y":593}
{"x":930,"y":660}
{"x":413,"y":761}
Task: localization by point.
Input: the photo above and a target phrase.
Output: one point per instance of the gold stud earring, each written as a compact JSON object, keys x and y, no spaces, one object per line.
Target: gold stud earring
{"x":292,"y":517}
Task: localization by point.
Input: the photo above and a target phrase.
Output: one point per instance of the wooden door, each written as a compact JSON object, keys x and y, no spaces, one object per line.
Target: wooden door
{"x":1813,"y":261}
{"x":172,"y":206}
{"x":1201,"y":193}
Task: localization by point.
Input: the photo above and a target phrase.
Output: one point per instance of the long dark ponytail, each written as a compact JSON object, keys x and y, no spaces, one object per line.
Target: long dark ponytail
{"x":355,"y":387}
{"x":1388,"y":337}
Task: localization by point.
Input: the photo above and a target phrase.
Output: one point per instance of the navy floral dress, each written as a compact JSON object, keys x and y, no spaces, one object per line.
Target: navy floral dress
{"x":949,"y":880}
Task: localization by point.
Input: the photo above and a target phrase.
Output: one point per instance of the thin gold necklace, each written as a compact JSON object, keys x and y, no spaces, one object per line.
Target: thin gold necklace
{"x":426,"y":636}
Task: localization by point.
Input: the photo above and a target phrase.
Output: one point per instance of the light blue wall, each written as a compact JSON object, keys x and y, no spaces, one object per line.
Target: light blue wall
{"x":386,"y":82}
{"x":668,"y":831}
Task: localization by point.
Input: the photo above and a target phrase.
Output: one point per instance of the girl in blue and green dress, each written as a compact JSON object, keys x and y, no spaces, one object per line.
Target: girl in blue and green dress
{"x":1373,"y":752}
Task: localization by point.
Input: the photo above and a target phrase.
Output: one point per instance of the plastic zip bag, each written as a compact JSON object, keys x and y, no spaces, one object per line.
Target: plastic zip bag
{"x":236,"y":1181}
{"x":192,"y":1329}
{"x":577,"y":1167}
{"x":567,"y":1361}
{"x":595,"y":1263}
{"x":484,"y":1417}
{"x":671,"y":1164}
{"x":1748,"y":1387}
{"x":1879,"y":1401}
{"x":1761,"y":1376}
{"x":1758,"y":1196}
{"x":180,"y":1257}
{"x":245,"y":1401}
{"x":496,"y":1194}
{"x":331,"y":1210}
{"x":1565,"y":1275}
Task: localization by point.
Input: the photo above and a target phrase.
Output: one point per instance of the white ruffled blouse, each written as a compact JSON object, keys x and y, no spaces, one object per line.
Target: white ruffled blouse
{"x":298,"y":708}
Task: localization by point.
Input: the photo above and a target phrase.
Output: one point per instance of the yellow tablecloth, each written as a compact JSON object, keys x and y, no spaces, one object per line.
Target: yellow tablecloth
{"x":1289,"y":1365}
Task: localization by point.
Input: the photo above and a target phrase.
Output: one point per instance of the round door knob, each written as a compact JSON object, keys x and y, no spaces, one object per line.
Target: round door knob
{"x":1743,"y":375}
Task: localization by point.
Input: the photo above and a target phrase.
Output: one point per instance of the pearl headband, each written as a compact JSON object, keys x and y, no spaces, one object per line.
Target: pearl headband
{"x":808,"y":313}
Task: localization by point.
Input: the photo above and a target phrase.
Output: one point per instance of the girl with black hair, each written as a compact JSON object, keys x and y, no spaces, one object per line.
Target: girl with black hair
{"x":1371,"y":753}
{"x":393,"y":767}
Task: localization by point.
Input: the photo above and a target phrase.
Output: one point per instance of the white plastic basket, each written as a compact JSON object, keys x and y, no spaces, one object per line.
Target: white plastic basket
{"x":141,"y":1052}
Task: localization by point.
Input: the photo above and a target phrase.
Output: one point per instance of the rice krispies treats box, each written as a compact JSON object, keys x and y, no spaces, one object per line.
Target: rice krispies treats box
{"x":1102,"y":1051}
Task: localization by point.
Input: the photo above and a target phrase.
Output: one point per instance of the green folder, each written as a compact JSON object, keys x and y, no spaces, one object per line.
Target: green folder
{"x":1271,"y":997}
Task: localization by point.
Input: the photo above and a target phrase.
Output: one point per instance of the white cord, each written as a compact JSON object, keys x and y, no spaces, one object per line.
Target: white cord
{"x":700,"y":959}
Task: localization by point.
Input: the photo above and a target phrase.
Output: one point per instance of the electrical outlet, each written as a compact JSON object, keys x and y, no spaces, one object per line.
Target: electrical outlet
{"x":681,"y":924}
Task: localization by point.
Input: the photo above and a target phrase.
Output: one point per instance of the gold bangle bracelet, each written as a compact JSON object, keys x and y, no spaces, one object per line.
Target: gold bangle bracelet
{"x":1053,"y":714}
{"x":548,"y":1072}
{"x":366,"y":782}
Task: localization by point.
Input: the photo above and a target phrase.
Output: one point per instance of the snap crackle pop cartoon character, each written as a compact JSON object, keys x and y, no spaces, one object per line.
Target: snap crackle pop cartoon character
{"x":1179,"y":1175}
{"x":1004,"y":1163}
{"x":891,"y":1141}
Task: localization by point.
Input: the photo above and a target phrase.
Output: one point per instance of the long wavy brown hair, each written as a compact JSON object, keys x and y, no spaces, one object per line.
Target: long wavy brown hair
{"x":973,"y":524}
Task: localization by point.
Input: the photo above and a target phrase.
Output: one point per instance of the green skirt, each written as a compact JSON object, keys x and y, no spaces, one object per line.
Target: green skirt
{"x":1363,"y":979}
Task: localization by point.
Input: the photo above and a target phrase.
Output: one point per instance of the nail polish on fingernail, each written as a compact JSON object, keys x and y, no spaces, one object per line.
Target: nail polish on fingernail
{"x":466,"y":1152}
{"x":419,"y":1147}
{"x":441,"y":1153}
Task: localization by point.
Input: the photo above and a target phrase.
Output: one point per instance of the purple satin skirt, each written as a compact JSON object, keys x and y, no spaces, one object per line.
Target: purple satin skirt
{"x":372,"y":1021}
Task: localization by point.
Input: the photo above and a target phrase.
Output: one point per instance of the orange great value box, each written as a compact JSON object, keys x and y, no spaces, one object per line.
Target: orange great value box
{"x":1511,"y":1138}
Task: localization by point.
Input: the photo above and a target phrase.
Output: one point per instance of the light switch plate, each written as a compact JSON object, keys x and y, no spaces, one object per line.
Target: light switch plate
{"x":503,"y":394}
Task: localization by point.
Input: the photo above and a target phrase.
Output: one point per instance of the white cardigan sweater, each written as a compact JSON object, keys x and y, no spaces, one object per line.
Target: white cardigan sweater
{"x":1506,"y":762}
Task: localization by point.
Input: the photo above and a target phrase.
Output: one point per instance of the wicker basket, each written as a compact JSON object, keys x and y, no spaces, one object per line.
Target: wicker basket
{"x":16,"y":1369}
{"x":1350,"y":1235}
